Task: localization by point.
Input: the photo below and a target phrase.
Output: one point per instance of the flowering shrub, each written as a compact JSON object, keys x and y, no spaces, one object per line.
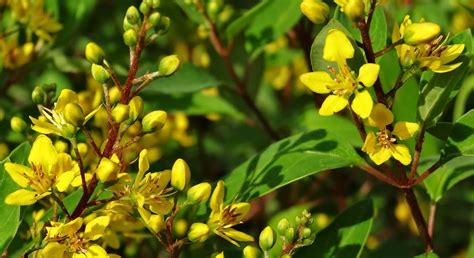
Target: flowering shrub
{"x":283,"y":128}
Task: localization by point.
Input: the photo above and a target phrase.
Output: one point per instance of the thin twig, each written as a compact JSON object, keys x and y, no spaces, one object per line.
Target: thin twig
{"x":416,"y":155}
{"x":428,"y":172}
{"x":379,"y":175}
{"x":431,"y":219}
{"x":91,"y":141}
{"x":61,"y":205}
{"x":388,"y":48}
{"x":81,"y":169}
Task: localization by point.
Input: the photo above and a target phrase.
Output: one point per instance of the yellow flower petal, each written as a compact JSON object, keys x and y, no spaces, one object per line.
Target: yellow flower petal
{"x":422,"y":32}
{"x":43,"y":154}
{"x":64,"y":180}
{"x":242,"y":209}
{"x":401,"y":153}
{"x":19,"y":173}
{"x":96,"y":251}
{"x":405,"y":130}
{"x":44,"y":127}
{"x":238,"y":235}
{"x":160,"y":206}
{"x":24,"y":197}
{"x":380,"y":116}
{"x":332,"y":104}
{"x":380,"y":155}
{"x":368,"y":74}
{"x":337,"y":47}
{"x":53,"y":249}
{"x":317,"y":81}
{"x":95,"y":228}
{"x":66,"y":96}
{"x":370,"y":143}
{"x":362,"y":104}
{"x":143,"y":166}
{"x":451,"y":52}
{"x":217,"y":197}
{"x":446,"y":68}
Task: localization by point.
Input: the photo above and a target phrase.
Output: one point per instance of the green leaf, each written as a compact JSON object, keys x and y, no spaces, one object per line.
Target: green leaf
{"x":317,"y":61}
{"x":9,"y":214}
{"x":189,"y":78}
{"x":192,"y":104}
{"x":191,"y":11}
{"x":427,"y":255}
{"x":461,"y":138}
{"x":264,"y":23}
{"x":287,"y":161}
{"x":440,"y":89}
{"x":345,"y":236}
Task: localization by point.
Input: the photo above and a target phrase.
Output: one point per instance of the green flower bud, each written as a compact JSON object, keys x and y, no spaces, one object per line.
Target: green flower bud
{"x":199,"y":232}
{"x":73,"y":114}
{"x":251,"y":252}
{"x":120,"y":112}
{"x":199,"y":193}
{"x":39,"y":96}
{"x":127,"y":25}
{"x":114,"y":94}
{"x":422,"y":32}
{"x":168,"y":65}
{"x":99,"y":73}
{"x":153,"y":3}
{"x":68,"y":131}
{"x":154,"y":19}
{"x":136,"y":108}
{"x":130,"y":37}
{"x":107,"y":170}
{"x":214,"y":7}
{"x":180,"y":174}
{"x":290,"y":234}
{"x":307,"y":241}
{"x":132,"y":15}
{"x":94,"y":53}
{"x":267,"y":238}
{"x":154,"y":121}
{"x":17,"y":124}
{"x":306,"y":232}
{"x":144,"y":8}
{"x":286,"y":256}
{"x":283,"y":225}
{"x":180,"y":227}
{"x":315,"y":10}
{"x":164,"y":24}
{"x":61,"y":146}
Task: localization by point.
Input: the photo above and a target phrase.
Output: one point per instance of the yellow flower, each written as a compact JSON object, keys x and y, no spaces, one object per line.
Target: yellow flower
{"x":14,"y":55}
{"x":53,"y":121}
{"x":47,"y":169}
{"x":354,"y":9}
{"x":425,"y":51}
{"x":315,"y":10}
{"x":68,"y":240}
{"x":382,"y":145}
{"x":149,"y":191}
{"x":223,"y":218}
{"x":343,"y":84}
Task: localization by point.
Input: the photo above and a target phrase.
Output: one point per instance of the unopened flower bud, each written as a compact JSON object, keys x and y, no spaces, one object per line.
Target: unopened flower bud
{"x":164,"y":24}
{"x":60,"y":146}
{"x":99,"y":73}
{"x":267,"y":238}
{"x":153,"y":3}
{"x":251,"y":252}
{"x":306,"y":232}
{"x":154,"y":19}
{"x":290,"y":234}
{"x":199,"y":193}
{"x":136,"y":108}
{"x":156,"y":223}
{"x":315,"y":10}
{"x":132,"y":15}
{"x":39,"y":96}
{"x":107,"y":170}
{"x":180,"y":175}
{"x":114,"y":95}
{"x":144,"y":8}
{"x":355,"y":9}
{"x":82,"y":148}
{"x":422,"y":32}
{"x":120,"y":112}
{"x":17,"y":124}
{"x":168,"y":65}
{"x":180,"y":227}
{"x":68,"y":131}
{"x":73,"y":114}
{"x":126,"y":25}
{"x":214,"y":7}
{"x":199,"y":232}
{"x":283,"y":225}
{"x":94,"y":53}
{"x":130,"y":37}
{"x":154,"y":121}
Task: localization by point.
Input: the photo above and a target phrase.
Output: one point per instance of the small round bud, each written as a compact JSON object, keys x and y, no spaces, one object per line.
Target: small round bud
{"x":68,"y":131}
{"x":168,"y":65}
{"x":99,"y":73}
{"x":214,"y":7}
{"x":126,"y":25}
{"x":61,"y":146}
{"x":199,"y":232}
{"x":82,"y":148}
{"x":154,"y":19}
{"x":164,"y":24}
{"x":355,"y":9}
{"x":306,"y":232}
{"x":156,"y":223}
{"x":307,"y":241}
{"x":180,"y":175}
{"x":267,"y":238}
{"x":283,"y":225}
{"x":290,"y":234}
{"x":132,"y":15}
{"x":94,"y":53}
{"x":144,"y":8}
{"x":199,"y":193}
{"x":114,"y":94}
{"x":4,"y":150}
{"x":180,"y":227}
{"x":422,"y":32}
{"x":154,"y":121}
{"x":120,"y":112}
{"x":315,"y":10}
{"x":153,"y":3}
{"x":286,"y":256}
{"x":130,"y":37}
{"x":73,"y":114}
{"x":17,"y":124}
{"x":251,"y":252}
{"x":107,"y":170}
{"x":136,"y":108}
{"x":39,"y":96}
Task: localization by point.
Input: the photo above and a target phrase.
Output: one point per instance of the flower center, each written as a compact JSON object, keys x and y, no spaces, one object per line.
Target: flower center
{"x":385,"y":139}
